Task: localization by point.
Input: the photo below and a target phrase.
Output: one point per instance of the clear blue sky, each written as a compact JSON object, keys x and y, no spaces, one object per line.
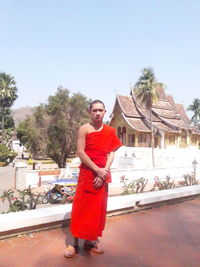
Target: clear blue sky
{"x":99,"y":47}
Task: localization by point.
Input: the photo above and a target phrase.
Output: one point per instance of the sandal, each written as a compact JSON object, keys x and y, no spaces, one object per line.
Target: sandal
{"x":69,"y":252}
{"x":93,"y":247}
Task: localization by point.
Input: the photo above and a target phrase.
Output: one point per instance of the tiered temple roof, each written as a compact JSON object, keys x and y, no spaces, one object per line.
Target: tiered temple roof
{"x":167,"y":115}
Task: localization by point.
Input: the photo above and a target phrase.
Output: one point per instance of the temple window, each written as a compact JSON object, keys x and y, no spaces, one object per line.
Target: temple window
{"x":131,"y":140}
{"x":119,"y":132}
{"x":142,"y":138}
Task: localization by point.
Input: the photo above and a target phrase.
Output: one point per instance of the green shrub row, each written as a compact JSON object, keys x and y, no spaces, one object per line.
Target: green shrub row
{"x":6,"y":154}
{"x":138,"y":185}
{"x":30,"y":162}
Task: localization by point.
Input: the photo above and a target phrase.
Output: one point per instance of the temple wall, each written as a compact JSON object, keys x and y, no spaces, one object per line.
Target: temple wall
{"x":141,"y":157}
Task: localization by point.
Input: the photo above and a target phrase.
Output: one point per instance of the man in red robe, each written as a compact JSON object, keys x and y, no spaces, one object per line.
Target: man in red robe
{"x":96,"y":145}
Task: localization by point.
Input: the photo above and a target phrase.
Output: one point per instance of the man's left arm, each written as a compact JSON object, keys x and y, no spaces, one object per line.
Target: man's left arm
{"x":110,"y":160}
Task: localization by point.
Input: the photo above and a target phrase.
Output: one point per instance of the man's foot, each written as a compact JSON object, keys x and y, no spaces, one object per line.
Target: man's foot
{"x":93,"y":247}
{"x":69,"y":252}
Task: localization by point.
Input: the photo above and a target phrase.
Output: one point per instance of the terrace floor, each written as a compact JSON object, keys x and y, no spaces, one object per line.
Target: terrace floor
{"x":167,"y":236}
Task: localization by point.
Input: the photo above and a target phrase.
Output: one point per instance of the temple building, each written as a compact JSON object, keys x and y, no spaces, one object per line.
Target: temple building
{"x":171,"y":126}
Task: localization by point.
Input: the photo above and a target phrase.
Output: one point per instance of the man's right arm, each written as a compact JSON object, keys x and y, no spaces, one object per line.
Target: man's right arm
{"x":102,"y":172}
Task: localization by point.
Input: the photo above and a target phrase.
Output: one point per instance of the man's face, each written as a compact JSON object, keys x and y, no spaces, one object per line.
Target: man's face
{"x":97,"y":112}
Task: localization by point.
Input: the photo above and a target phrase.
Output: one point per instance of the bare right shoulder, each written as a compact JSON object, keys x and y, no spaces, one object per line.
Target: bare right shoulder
{"x":84,"y":129}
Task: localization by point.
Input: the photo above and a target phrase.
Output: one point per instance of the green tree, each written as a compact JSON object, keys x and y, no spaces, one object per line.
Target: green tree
{"x":8,"y":94}
{"x":26,"y":133}
{"x":8,"y":119}
{"x":195,"y":107}
{"x":146,"y":93}
{"x":9,"y":125}
{"x":52,"y":129}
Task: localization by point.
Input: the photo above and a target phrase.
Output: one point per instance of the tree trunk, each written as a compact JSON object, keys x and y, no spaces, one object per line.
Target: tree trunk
{"x":61,"y":162}
{"x":64,"y":162}
{"x":2,"y":125}
{"x":152,"y":139}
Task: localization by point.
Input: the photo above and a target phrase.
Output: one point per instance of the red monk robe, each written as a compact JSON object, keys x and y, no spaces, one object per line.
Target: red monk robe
{"x":90,"y":204}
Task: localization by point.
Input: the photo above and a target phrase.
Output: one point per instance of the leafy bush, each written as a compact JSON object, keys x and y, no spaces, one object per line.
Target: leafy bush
{"x":28,"y":200}
{"x":188,"y":180}
{"x":162,"y":184}
{"x":138,"y":185}
{"x":4,"y":153}
{"x":135,"y":186}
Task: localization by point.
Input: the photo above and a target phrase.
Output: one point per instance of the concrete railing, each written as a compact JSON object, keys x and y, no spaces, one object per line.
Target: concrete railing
{"x":16,"y":222}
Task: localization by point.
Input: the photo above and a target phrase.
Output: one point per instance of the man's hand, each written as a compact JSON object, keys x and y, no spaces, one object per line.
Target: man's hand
{"x":102,"y":172}
{"x":98,"y":182}
{"x":101,"y":177}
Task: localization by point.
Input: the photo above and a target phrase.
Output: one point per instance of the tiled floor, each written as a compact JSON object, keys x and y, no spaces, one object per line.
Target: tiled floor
{"x":168,"y":236}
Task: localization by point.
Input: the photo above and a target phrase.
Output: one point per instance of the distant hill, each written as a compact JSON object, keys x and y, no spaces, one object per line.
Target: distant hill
{"x":21,"y":114}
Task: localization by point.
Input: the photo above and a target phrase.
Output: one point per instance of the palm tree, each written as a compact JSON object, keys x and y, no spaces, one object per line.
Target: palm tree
{"x":8,"y":94}
{"x":195,"y":107}
{"x":146,"y":93}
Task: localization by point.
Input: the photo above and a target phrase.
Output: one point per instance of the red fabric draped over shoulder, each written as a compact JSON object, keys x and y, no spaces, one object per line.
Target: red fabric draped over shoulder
{"x":89,"y":206}
{"x":105,"y":140}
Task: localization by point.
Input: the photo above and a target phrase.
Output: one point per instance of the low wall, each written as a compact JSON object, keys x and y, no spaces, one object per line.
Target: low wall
{"x":175,"y":173}
{"x":30,"y":177}
{"x":10,"y":223}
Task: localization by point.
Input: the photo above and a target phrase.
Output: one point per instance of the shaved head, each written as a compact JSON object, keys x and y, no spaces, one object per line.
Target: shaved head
{"x":97,"y":101}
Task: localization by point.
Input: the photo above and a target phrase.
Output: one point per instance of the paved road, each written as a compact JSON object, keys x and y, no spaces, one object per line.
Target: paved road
{"x":7,"y":179}
{"x":7,"y":175}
